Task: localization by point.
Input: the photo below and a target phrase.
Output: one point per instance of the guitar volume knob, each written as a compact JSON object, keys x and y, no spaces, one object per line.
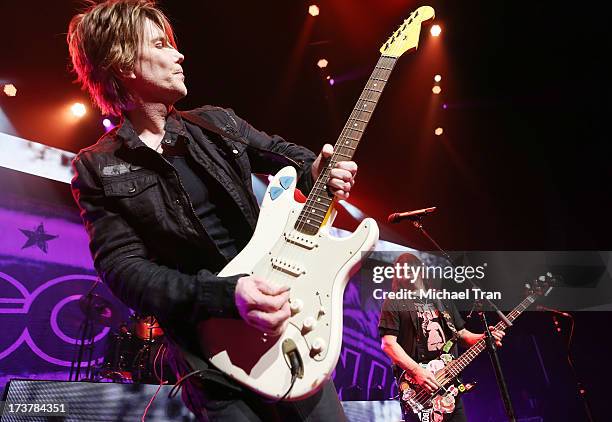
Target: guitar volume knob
{"x":296,"y":306}
{"x":308,"y":324}
{"x":318,"y":346}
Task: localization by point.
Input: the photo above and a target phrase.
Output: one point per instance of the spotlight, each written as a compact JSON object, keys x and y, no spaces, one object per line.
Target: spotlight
{"x":78,"y":109}
{"x":439,"y":131}
{"x":322,"y":63}
{"x":444,"y":106}
{"x":107,"y":123}
{"x":313,"y":10}
{"x":331,"y":81}
{"x":10,"y":90}
{"x":436,"y":89}
{"x":435,"y":30}
{"x":437,"y":78}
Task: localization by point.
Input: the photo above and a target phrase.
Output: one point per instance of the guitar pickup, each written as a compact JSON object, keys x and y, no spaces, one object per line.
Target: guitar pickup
{"x":288,"y":267}
{"x":300,"y":240}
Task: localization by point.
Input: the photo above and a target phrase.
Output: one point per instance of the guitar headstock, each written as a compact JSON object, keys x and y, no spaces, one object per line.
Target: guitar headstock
{"x":541,"y":286}
{"x":407,"y":36}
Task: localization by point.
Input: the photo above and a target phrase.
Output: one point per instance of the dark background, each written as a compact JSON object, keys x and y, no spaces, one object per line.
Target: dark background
{"x":522,"y":163}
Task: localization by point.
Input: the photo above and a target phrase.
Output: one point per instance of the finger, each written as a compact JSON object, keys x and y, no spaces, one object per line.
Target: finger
{"x":432,"y":385}
{"x":341,"y":174}
{"x":270,"y":289}
{"x":267,"y":303}
{"x":340,"y":194}
{"x":269,"y":321}
{"x":338,"y":184}
{"x":327,"y":150}
{"x":349,"y":166}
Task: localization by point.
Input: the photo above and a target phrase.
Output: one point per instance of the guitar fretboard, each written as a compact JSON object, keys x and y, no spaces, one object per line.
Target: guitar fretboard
{"x":320,"y":200}
{"x":455,"y":367}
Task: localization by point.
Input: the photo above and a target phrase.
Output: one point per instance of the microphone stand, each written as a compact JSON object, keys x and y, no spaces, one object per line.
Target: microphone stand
{"x":489,"y":340}
{"x":582,"y":393}
{"x":86,"y":330}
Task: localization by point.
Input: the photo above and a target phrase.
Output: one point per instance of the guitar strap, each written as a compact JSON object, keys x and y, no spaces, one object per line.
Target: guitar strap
{"x":451,"y":326}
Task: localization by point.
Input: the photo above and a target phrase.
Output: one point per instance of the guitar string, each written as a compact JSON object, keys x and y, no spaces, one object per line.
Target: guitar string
{"x":445,"y":375}
{"x":366,"y":95}
{"x":339,"y":147}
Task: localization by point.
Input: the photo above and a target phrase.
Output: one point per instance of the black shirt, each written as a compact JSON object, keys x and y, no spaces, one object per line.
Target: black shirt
{"x":401,"y":318}
{"x":211,"y":203}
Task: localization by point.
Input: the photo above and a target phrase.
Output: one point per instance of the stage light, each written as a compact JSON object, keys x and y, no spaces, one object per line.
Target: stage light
{"x":331,"y":81}
{"x":355,"y":212}
{"x":107,"y":123}
{"x":439,"y":131}
{"x":444,"y":106}
{"x":78,"y":109}
{"x":322,"y":63}
{"x":437,"y":78}
{"x":435,"y":30}
{"x":313,"y":10}
{"x":436,"y":89}
{"x":10,"y":90}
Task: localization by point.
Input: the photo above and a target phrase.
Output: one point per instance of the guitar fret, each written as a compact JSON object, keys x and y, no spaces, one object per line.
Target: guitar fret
{"x":313,"y":206}
{"x":320,"y":199}
{"x":455,"y":367}
{"x":305,"y":223}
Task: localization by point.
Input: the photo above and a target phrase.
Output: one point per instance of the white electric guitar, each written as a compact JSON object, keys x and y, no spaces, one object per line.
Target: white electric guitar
{"x":292,"y":247}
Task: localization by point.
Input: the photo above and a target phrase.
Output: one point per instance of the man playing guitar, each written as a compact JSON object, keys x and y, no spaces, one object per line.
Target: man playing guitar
{"x":415,"y":332}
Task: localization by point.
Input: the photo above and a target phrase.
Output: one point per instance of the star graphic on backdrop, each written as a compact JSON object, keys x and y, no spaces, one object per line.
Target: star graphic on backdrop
{"x":38,"y":238}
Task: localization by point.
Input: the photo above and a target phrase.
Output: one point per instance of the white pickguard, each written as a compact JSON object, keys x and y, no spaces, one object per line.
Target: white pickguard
{"x":317,"y":268}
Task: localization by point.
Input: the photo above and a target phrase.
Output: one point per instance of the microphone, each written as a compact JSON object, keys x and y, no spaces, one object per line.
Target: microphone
{"x":556,"y":311}
{"x":409,"y":215}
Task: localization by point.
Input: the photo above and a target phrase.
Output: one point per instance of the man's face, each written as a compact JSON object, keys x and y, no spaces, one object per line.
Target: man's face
{"x":157,"y":75}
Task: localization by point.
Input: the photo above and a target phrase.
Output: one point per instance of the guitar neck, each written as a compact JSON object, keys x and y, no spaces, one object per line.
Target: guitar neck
{"x":459,"y":364}
{"x":320,"y":201}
